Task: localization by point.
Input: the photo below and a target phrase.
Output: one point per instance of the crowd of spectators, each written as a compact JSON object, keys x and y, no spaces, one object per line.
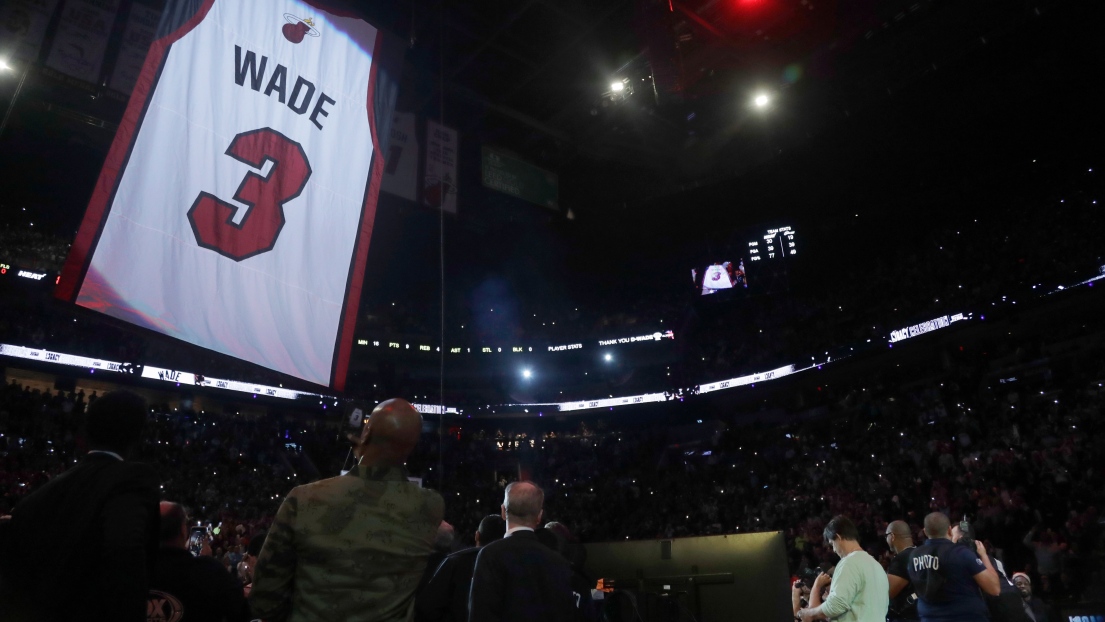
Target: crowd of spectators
{"x":1017,"y":459}
{"x":960,"y":265}
{"x":230,"y":471}
{"x":966,"y":264}
{"x":971,"y":263}
{"x":1044,"y":237}
{"x":32,"y":249}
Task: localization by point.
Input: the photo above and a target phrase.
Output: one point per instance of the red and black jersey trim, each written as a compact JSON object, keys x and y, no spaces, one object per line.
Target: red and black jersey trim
{"x":178,"y":19}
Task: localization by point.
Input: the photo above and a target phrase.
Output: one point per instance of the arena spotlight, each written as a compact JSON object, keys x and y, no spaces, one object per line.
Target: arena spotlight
{"x":617,"y":87}
{"x":4,"y":66}
{"x":608,"y":357}
{"x":761,"y":100}
{"x":527,"y":374}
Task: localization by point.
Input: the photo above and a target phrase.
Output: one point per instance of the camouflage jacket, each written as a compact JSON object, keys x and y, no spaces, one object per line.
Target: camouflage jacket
{"x":348,"y":549}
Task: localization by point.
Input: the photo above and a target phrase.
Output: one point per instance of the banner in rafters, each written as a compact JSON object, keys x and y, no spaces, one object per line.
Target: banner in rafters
{"x":235,"y":208}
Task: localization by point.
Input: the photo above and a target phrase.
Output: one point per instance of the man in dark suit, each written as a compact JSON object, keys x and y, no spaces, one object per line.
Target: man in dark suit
{"x":443,"y":546}
{"x":518,"y":577}
{"x":445,"y":597}
{"x":82,"y":547}
{"x":1034,"y":608}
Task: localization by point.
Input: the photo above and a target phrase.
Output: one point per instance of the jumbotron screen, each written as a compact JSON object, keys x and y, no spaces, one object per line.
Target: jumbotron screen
{"x":744,"y":264}
{"x":776,"y":244}
{"x":720,"y":276}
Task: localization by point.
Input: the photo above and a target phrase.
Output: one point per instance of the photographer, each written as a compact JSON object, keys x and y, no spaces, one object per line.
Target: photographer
{"x":1006,"y":606}
{"x":188,"y":588}
{"x":950,"y":579}
{"x":799,"y":597}
{"x":801,"y":589}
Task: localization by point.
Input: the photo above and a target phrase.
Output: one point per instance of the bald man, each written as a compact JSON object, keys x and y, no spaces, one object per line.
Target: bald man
{"x":518,"y":577}
{"x":949,"y":579}
{"x":903,"y":602}
{"x":352,"y":548}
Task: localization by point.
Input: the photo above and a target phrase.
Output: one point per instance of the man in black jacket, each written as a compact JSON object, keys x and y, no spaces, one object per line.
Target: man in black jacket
{"x":190,"y":589}
{"x":903,"y":601}
{"x":82,"y":547}
{"x":518,"y":577}
{"x":445,"y":597}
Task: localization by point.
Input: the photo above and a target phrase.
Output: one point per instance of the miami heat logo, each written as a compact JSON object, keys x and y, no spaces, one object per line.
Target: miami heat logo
{"x":296,"y":28}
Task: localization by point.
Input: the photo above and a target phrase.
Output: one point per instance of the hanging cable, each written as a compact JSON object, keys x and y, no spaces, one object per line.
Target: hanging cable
{"x":441,"y":255}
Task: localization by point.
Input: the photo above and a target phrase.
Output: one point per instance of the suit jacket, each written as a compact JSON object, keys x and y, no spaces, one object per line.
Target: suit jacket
{"x":83,"y":546}
{"x":519,"y":578}
{"x":445,"y":597}
{"x":1040,"y":610}
{"x":347,"y":549}
{"x":432,"y":562}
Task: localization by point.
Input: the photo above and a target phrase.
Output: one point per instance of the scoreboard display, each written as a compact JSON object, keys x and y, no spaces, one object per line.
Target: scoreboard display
{"x":774,"y":244}
{"x":753,"y":261}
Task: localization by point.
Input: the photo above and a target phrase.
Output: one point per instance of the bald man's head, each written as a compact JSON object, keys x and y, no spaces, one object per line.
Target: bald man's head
{"x":522,"y":504}
{"x":937,"y":525}
{"x":390,"y":435}
{"x":898,"y":536}
{"x":900,"y":529}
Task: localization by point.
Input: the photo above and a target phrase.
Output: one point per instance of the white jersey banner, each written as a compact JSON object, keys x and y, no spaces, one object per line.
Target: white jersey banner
{"x":235,"y":207}
{"x":81,"y":38}
{"x":439,"y":188}
{"x":715,"y":278}
{"x":139,"y":34}
{"x":23,"y":27}
{"x":401,"y":172}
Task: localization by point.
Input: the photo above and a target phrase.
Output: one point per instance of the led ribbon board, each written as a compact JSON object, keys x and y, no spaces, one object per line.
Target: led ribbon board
{"x":59,"y":358}
{"x":657,"y":336}
{"x":733,"y":383}
{"x":435,"y":409}
{"x":179,"y":377}
{"x":943,"y":321}
{"x":646,"y":398}
{"x":184,"y":377}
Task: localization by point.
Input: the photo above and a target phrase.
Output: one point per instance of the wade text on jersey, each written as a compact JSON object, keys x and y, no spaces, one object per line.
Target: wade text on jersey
{"x":299,"y":99}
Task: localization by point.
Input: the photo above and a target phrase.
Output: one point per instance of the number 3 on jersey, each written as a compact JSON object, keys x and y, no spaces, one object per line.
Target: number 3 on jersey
{"x":212,"y":218}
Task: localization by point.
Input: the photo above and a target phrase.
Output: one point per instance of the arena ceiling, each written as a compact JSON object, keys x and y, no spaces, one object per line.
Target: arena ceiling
{"x":691,"y":69}
{"x":535,"y":77}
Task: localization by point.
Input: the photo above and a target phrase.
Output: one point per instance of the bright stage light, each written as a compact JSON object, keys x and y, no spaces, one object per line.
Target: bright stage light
{"x":4,"y":66}
{"x":761,"y":100}
{"x":527,"y":373}
{"x":617,"y":87}
{"x":608,"y":358}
